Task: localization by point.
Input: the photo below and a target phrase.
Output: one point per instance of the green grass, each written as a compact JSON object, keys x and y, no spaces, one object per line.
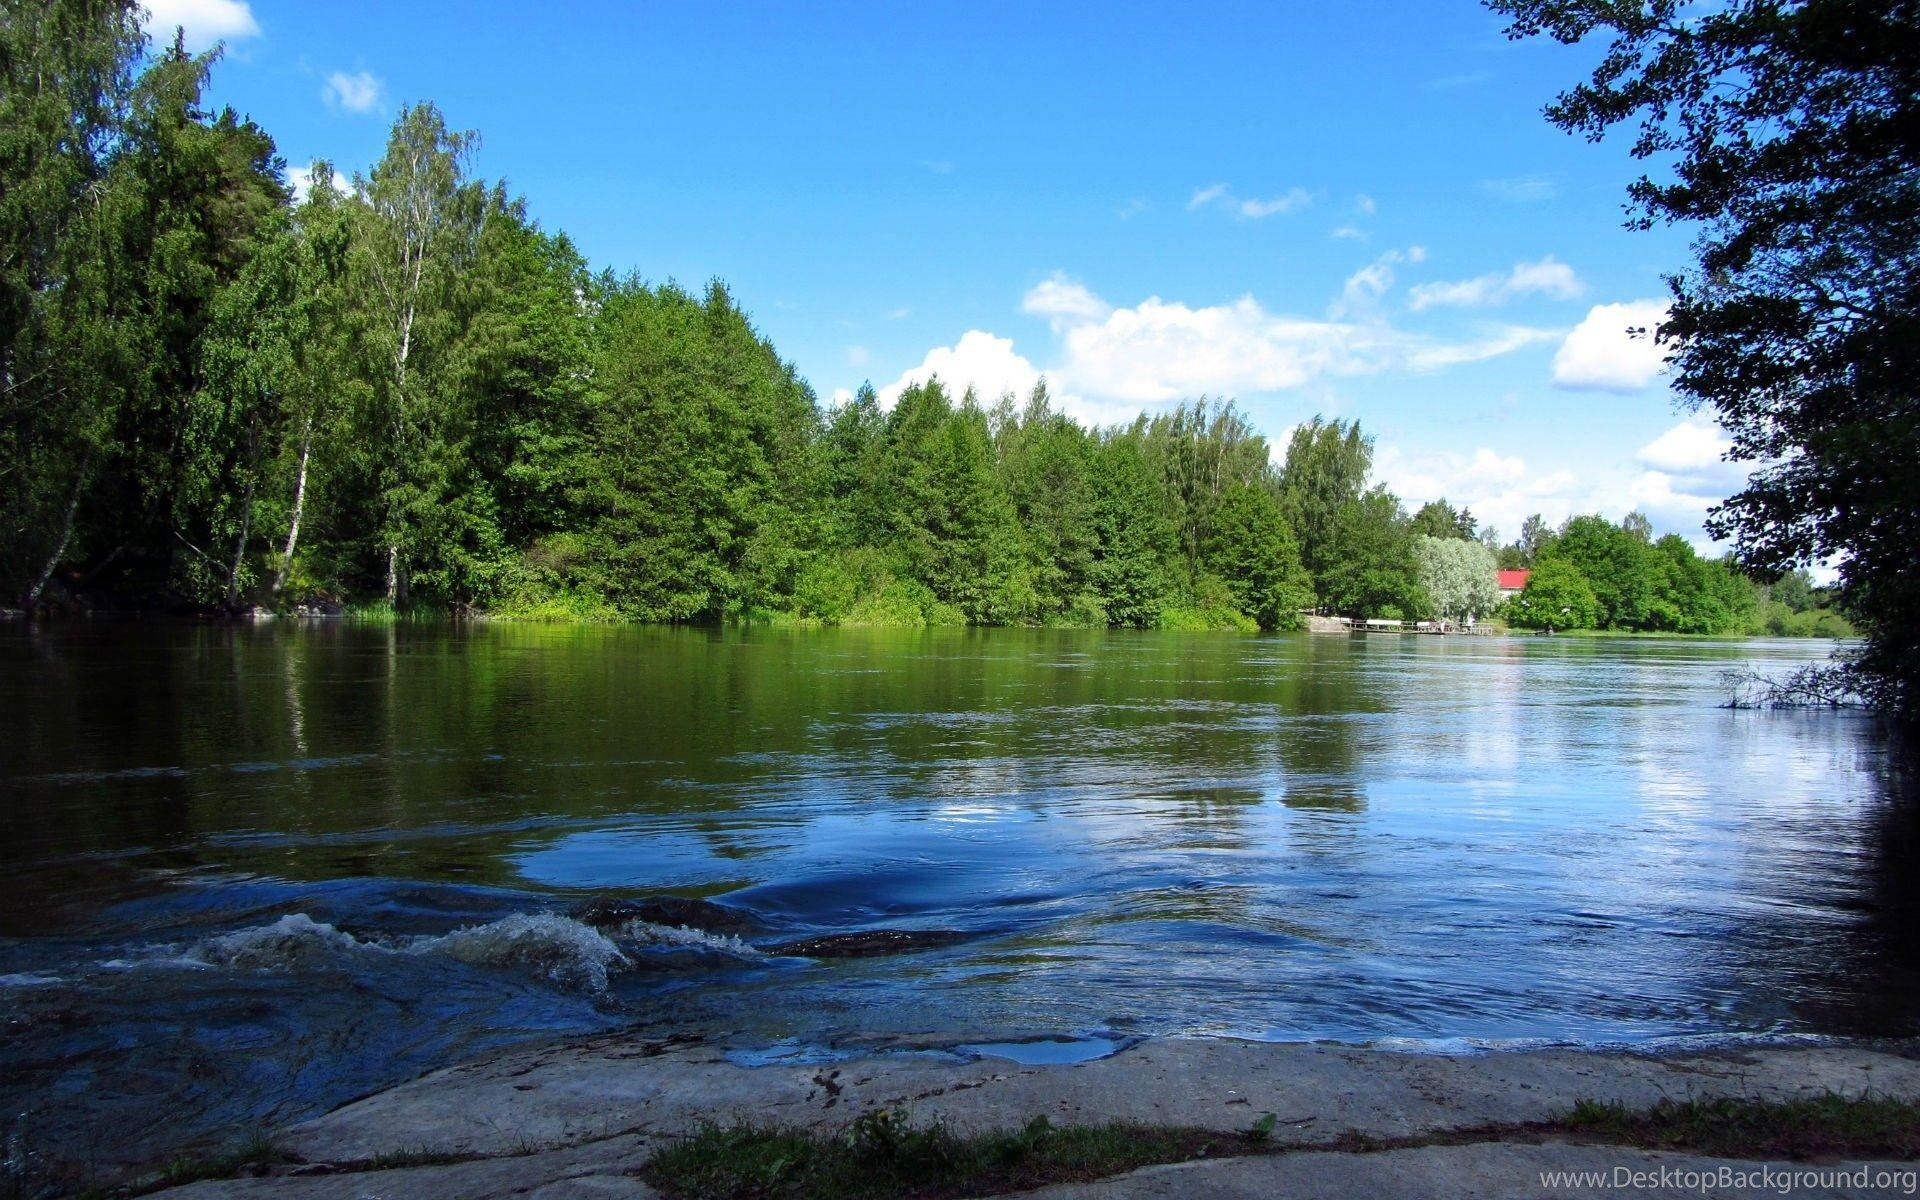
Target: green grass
{"x":884,"y":1154}
{"x":1822,"y":1126}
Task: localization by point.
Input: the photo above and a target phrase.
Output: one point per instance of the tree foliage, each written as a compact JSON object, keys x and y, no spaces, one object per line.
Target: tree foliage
{"x":1459,"y":576}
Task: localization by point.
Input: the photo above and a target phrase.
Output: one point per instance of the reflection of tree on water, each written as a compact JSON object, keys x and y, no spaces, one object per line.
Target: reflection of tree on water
{"x":1872,"y":971}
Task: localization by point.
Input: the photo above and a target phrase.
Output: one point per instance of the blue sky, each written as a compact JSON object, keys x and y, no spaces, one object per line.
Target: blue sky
{"x":1354,"y":210}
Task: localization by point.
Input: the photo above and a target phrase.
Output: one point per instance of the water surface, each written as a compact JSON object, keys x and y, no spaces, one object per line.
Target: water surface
{"x":254,"y":872}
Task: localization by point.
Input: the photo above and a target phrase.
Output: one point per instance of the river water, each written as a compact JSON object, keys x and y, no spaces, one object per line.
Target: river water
{"x":251,"y":873}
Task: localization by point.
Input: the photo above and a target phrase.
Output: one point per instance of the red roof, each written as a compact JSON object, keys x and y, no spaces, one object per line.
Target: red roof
{"x":1513,"y":580}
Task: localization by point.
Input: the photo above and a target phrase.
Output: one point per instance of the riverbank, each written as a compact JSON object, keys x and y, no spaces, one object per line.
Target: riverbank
{"x":583,"y":1118}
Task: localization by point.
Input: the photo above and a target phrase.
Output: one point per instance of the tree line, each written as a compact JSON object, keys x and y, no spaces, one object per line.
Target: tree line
{"x":400,"y":392}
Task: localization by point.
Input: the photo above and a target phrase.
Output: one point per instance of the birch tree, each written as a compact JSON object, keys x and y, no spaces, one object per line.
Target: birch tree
{"x":419,"y":236}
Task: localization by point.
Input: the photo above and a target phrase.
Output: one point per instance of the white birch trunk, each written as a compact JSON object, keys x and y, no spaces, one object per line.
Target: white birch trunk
{"x":299,"y":506}
{"x":66,"y":535}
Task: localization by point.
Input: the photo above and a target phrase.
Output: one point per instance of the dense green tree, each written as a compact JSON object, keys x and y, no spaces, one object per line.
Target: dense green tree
{"x":1787,"y":134}
{"x":1437,"y":518}
{"x":1619,"y":566}
{"x":1326,"y":469}
{"x":1557,"y":596}
{"x":66,"y":74}
{"x":1136,"y":541}
{"x":1251,"y":549}
{"x":1371,"y":570}
{"x":1200,"y":450}
{"x":1046,"y":467}
{"x":698,"y":449}
{"x":198,"y":196}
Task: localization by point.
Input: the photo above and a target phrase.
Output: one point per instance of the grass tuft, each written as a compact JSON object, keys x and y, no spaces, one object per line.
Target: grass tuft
{"x":885,"y":1154}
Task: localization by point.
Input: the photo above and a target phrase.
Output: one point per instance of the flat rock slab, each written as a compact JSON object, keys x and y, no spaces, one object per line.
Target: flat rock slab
{"x":580,"y":1092}
{"x":1494,"y":1171}
{"x":579,"y":1116}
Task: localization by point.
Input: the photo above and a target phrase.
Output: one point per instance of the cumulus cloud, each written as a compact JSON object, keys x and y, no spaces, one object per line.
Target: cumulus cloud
{"x":1500,"y":489}
{"x":1696,"y":444}
{"x":1109,"y":362}
{"x":979,"y":360}
{"x":360,"y":92}
{"x":1159,"y":350}
{"x":1601,"y":355}
{"x":1219,"y":195}
{"x":1674,"y":479}
{"x":1548,"y":277}
{"x":1064,"y":302}
{"x":203,"y":22}
{"x":1686,"y":470}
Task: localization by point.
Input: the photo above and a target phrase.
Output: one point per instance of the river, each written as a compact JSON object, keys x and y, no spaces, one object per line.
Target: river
{"x":253,"y":872}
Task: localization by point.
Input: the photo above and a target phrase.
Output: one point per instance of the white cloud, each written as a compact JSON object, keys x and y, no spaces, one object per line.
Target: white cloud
{"x":1600,"y":354}
{"x":1348,"y":233}
{"x":1110,"y":362}
{"x":1159,"y":351}
{"x":1253,"y":208}
{"x":360,"y":92}
{"x":1064,"y":302}
{"x":979,"y":360}
{"x":1360,"y":295}
{"x":1522,"y":189}
{"x":1206,"y":196}
{"x":1548,"y":277}
{"x":1686,"y":472}
{"x":1365,"y":204}
{"x":203,"y":21}
{"x":859,"y":356}
{"x":1674,"y":480}
{"x":1499,"y":489}
{"x":1696,"y":444}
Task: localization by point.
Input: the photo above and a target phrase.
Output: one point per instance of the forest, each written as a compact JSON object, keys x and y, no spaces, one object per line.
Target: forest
{"x":397,"y":393}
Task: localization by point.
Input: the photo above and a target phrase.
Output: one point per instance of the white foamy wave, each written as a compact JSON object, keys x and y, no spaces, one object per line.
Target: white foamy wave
{"x":295,"y":940}
{"x":546,"y":945}
{"x":549,"y":945}
{"x":646,"y":933}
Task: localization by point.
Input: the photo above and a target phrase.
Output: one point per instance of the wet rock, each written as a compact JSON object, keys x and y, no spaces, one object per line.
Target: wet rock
{"x":603,"y":912}
{"x":869,"y":943}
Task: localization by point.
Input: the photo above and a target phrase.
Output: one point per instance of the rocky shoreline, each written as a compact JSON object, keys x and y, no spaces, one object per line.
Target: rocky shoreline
{"x":576,"y":1119}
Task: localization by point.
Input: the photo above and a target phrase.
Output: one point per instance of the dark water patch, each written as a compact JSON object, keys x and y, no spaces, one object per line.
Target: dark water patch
{"x":869,"y":943}
{"x":690,"y":912}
